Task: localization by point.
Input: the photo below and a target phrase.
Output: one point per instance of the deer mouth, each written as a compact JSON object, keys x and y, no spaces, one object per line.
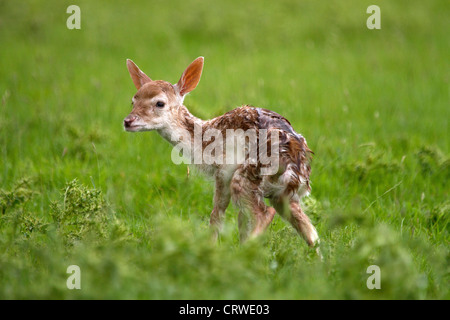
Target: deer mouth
{"x":136,"y":127}
{"x":133,"y":127}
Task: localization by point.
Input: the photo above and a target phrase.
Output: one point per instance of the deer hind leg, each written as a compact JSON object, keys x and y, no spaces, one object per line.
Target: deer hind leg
{"x":254,"y":214}
{"x":291,"y":211}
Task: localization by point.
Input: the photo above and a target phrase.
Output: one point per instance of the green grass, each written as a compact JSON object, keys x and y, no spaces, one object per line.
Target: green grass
{"x":76,"y":189}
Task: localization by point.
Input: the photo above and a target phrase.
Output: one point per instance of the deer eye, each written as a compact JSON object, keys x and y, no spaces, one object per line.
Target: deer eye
{"x":160,"y":104}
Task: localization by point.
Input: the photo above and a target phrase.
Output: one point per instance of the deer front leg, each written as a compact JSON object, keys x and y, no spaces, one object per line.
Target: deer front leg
{"x":221,"y":201}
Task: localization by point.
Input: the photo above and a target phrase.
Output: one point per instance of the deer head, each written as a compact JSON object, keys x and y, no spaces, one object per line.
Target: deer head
{"x":157,"y":103}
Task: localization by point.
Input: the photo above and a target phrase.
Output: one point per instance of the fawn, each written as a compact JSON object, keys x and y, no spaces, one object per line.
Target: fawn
{"x":158,"y":105}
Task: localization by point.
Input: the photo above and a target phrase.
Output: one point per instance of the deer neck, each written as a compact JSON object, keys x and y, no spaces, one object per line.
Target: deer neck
{"x":185,"y":131}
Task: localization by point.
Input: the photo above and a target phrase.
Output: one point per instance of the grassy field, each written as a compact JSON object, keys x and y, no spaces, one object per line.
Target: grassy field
{"x":75,"y":189}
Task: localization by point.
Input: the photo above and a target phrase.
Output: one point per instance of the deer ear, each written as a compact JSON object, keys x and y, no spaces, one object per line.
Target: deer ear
{"x":139,"y":78}
{"x":190,"y":77}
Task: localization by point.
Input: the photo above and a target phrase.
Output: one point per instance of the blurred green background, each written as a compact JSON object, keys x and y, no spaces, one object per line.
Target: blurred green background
{"x":76,"y":189}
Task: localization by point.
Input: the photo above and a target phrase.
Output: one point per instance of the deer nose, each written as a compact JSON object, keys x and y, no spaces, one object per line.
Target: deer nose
{"x":129,"y":120}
